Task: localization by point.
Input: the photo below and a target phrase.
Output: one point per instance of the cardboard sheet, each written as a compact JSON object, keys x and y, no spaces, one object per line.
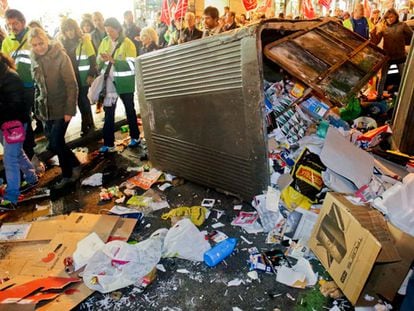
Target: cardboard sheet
{"x":345,"y":159}
{"x":42,"y":253}
{"x":24,"y":289}
{"x":50,"y":261}
{"x":75,"y":222}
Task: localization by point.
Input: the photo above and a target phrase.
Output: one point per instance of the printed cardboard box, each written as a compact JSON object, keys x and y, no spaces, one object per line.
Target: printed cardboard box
{"x":350,"y":240}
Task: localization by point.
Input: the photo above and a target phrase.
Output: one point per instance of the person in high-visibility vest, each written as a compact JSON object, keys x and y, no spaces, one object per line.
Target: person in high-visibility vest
{"x":16,"y":46}
{"x":118,"y":52}
{"x":80,"y":49}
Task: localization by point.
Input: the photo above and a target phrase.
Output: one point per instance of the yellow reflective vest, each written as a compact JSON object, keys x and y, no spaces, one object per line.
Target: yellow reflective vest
{"x":21,"y":57}
{"x":124,"y":67}
{"x":83,"y":52}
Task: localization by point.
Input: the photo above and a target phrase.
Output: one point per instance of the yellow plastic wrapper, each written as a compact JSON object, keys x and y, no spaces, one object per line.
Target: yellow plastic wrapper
{"x":197,"y":214}
{"x":294,"y":199}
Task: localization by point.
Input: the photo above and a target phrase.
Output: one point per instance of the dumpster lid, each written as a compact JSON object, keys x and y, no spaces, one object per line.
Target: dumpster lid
{"x":332,"y":60}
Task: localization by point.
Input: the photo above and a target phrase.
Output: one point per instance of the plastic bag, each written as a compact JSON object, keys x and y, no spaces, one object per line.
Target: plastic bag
{"x":119,"y":264}
{"x":398,"y":204}
{"x":96,"y":88}
{"x":185,"y":241}
{"x":197,"y":214}
{"x":307,"y":181}
{"x":352,"y":110}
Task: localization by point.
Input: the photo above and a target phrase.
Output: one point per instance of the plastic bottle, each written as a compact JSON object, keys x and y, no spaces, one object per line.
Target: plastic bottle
{"x":219,"y":252}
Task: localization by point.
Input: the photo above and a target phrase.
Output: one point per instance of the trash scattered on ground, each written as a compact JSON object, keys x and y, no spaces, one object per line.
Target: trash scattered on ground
{"x":235,"y":282}
{"x":217,"y":236}
{"x":218,"y":225}
{"x":209,"y":203}
{"x":237,"y":207}
{"x":300,"y":275}
{"x":330,"y":289}
{"x":253,"y":275}
{"x":144,"y":179}
{"x":219,"y":252}
{"x":185,"y":241}
{"x":94,"y":180}
{"x":197,"y":214}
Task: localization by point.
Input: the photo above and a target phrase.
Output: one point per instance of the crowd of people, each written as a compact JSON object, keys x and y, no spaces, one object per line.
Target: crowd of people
{"x":46,"y":77}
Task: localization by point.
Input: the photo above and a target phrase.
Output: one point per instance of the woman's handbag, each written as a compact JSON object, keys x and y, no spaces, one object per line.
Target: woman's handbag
{"x":13,"y":132}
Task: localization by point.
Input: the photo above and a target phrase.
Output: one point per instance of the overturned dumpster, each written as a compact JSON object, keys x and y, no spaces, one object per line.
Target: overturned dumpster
{"x":204,"y":107}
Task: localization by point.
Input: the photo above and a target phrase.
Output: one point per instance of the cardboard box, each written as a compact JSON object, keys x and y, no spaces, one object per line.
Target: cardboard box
{"x":355,"y":244}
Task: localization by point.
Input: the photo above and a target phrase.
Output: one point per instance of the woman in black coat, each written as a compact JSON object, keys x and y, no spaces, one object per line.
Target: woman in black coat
{"x":13,"y":122}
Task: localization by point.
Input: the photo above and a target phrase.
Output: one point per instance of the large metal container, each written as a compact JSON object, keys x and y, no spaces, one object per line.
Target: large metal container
{"x":202,"y":102}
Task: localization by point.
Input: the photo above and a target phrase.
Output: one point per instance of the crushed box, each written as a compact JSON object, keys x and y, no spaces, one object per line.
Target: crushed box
{"x":360,"y":250}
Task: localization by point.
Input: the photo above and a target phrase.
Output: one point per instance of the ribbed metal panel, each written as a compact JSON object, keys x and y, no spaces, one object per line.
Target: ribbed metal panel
{"x":202,"y":110}
{"x":192,"y":70}
{"x":203,"y":165}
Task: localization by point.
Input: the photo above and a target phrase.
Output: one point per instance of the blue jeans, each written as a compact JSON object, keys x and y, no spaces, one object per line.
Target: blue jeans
{"x":55,"y":131}
{"x":408,"y":303}
{"x":15,"y":160}
{"x":109,"y":123}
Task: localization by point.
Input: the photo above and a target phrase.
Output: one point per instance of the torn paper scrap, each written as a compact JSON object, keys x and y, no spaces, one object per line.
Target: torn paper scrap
{"x":94,"y":180}
{"x":299,"y":276}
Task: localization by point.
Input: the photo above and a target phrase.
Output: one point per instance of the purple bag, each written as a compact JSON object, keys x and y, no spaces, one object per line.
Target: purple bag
{"x":13,"y":132}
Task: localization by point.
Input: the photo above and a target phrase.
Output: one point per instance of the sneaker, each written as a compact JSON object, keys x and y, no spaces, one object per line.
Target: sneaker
{"x":105,"y":149}
{"x":6,"y":205}
{"x":25,"y":186}
{"x":76,"y":172}
{"x":134,"y":143}
{"x":65,"y":181}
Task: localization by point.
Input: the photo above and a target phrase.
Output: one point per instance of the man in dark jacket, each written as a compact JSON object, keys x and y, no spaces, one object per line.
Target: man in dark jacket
{"x":191,"y":32}
{"x":99,"y":32}
{"x":230,"y":22}
{"x":131,"y":30}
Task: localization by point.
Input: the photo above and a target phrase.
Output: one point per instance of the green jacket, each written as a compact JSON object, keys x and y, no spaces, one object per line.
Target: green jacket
{"x":21,"y":57}
{"x":124,"y":67}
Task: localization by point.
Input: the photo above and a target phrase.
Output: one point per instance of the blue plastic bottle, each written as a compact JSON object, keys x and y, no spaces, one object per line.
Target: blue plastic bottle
{"x":219,"y":252}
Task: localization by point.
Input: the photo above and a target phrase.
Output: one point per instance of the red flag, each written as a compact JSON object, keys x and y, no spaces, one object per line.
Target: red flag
{"x":307,"y":9}
{"x":249,"y":4}
{"x":165,"y":12}
{"x":325,"y":3}
{"x":263,"y":5}
{"x":180,"y":9}
{"x":367,"y":9}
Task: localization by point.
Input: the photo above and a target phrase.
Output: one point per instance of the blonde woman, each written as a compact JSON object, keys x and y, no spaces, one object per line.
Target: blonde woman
{"x":149,"y":39}
{"x":55,"y":99}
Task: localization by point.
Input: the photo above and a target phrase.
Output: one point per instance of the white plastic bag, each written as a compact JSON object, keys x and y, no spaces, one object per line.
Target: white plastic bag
{"x":185,"y":241}
{"x":96,"y":88}
{"x":119,"y":264}
{"x":397,"y":203}
{"x":111,"y":97}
